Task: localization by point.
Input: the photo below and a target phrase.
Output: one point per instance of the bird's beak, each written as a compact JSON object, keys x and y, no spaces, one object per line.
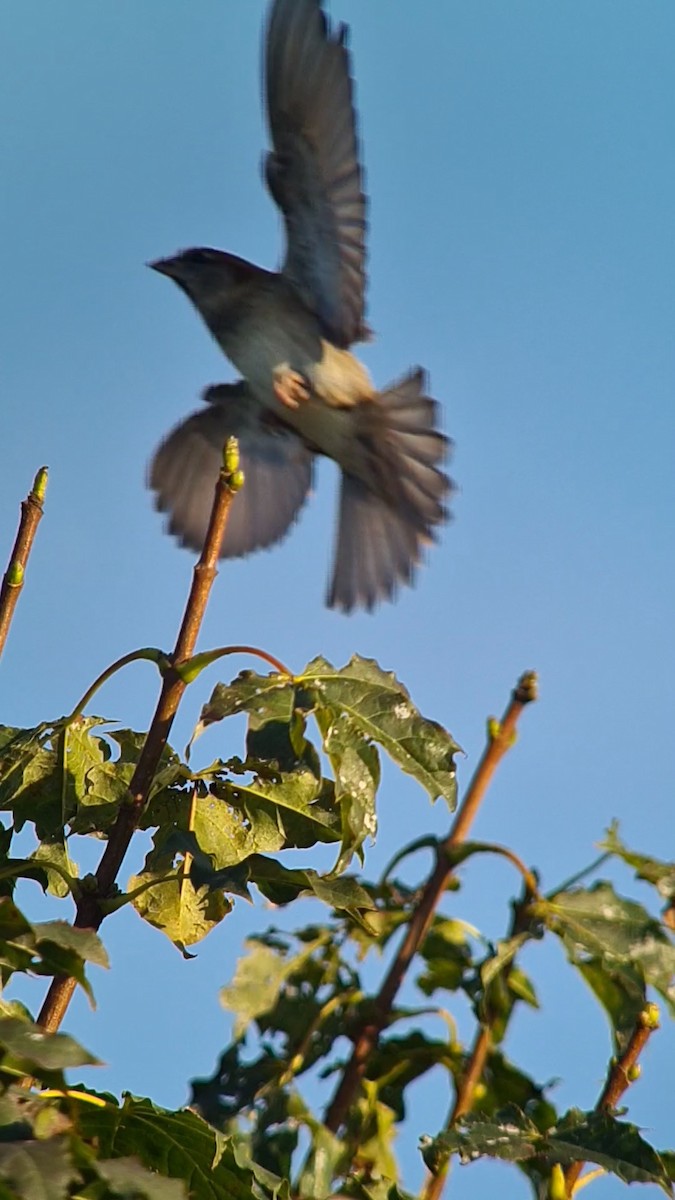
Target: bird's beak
{"x":165,"y":266}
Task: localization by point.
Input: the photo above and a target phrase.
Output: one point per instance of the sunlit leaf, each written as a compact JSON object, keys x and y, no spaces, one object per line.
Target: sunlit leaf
{"x":381,"y":709}
{"x":255,"y":987}
{"x":580,"y":1137}
{"x":597,"y":924}
{"x":186,"y":914}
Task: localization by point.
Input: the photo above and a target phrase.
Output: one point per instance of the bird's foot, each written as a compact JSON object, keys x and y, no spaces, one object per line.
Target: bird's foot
{"x":290,"y":387}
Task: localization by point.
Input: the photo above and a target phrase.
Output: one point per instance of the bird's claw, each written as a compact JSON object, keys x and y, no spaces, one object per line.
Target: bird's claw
{"x":290,"y":387}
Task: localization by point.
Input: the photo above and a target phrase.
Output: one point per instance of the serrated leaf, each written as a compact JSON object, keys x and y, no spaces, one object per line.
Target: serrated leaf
{"x":31,"y":785}
{"x":652,"y":870}
{"x":178,"y":1145}
{"x":185,"y":913}
{"x":356,"y":766}
{"x":597,"y":924}
{"x":293,"y":804}
{"x":268,"y":697}
{"x":597,"y":1138}
{"x":381,"y":709}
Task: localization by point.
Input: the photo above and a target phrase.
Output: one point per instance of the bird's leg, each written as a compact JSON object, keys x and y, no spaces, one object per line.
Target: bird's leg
{"x":290,"y":387}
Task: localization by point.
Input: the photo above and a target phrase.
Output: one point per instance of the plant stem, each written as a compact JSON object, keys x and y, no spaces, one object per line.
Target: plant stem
{"x":433,"y":1188}
{"x":622,"y":1072}
{"x":12,"y":581}
{"x":89,"y":914}
{"x":500,"y":740}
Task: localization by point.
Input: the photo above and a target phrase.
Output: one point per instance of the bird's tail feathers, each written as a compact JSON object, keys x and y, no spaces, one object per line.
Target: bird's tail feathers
{"x":391,"y":504}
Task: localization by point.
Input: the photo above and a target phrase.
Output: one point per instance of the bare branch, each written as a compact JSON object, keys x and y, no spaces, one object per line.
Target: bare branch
{"x":623,"y":1071}
{"x":89,"y":914}
{"x":12,"y":581}
{"x":501,"y":737}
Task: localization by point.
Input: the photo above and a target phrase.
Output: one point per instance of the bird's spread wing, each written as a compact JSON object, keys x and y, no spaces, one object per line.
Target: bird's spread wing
{"x":277,"y":473}
{"x":313,"y":171}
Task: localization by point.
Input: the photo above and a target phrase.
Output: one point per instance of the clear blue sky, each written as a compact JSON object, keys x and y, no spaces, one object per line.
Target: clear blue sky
{"x":519,"y":161}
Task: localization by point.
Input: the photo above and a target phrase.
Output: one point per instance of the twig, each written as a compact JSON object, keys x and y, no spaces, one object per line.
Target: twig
{"x":500,"y":740}
{"x":482,"y":1044}
{"x":433,"y":1188}
{"x":12,"y":581}
{"x":89,"y":914}
{"x":623,"y":1071}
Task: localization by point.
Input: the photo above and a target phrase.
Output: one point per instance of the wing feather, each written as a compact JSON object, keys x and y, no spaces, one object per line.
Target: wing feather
{"x":313,"y":171}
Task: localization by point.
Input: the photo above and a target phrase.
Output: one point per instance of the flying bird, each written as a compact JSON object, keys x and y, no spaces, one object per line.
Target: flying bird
{"x":288,"y":334}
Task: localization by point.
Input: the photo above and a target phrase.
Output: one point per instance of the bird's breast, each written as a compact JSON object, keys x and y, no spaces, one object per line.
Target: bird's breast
{"x":272,"y":331}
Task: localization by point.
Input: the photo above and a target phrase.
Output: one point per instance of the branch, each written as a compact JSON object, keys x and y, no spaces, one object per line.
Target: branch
{"x":433,"y":1189}
{"x":89,"y":914}
{"x":482,"y":1045}
{"x":622,"y":1072}
{"x":501,"y":737}
{"x":12,"y":581}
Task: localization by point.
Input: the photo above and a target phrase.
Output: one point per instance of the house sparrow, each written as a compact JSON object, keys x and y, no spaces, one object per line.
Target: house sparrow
{"x":288,"y":333}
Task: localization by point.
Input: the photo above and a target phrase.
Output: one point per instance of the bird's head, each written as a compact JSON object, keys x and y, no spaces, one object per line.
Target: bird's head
{"x":210,"y":278}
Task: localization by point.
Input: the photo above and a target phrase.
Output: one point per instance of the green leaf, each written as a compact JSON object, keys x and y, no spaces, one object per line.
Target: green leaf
{"x":597,"y":924}
{"x":47,"y":948}
{"x":129,"y":1180}
{"x":356,"y":766}
{"x":267,"y":697}
{"x":256,"y":984}
{"x":185,"y":913}
{"x":399,"y":1061}
{"x":322,"y":1163}
{"x":622,"y":994}
{"x":41,"y":1050}
{"x":597,"y":1138}
{"x":31,"y":781}
{"x":281,"y":885}
{"x":292,"y":808}
{"x":83,"y":943}
{"x":448,"y":957}
{"x":38,"y":1170}
{"x":652,"y":870}
{"x":59,"y":867}
{"x":381,"y":709}
{"x":179,"y":1145}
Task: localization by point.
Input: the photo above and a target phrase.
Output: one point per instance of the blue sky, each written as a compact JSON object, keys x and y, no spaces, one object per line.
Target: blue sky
{"x":519,"y":163}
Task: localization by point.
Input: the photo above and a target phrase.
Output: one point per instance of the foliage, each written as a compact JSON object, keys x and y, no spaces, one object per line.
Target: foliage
{"x":308,"y":775}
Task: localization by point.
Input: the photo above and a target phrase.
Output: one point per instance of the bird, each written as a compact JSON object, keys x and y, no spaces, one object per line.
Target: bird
{"x":289,"y":334}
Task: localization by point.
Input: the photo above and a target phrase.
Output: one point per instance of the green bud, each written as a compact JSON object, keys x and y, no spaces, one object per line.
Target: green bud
{"x":40,"y":484}
{"x":236,"y":481}
{"x":231,"y":455}
{"x":650,"y":1017}
{"x":494,"y":728}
